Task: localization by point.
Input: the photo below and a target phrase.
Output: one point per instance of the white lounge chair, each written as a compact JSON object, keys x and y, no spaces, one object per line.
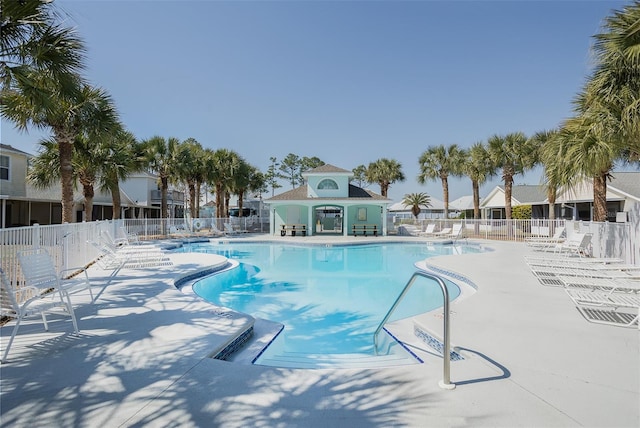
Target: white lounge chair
{"x":577,"y":245}
{"x":611,"y":300}
{"x":429,"y":230}
{"x":229,"y":229}
{"x":557,"y":238}
{"x":40,"y":271}
{"x":28,"y":301}
{"x":109,"y":259}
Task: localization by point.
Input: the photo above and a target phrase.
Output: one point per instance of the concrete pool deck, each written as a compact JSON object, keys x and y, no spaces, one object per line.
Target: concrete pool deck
{"x":142,"y":359}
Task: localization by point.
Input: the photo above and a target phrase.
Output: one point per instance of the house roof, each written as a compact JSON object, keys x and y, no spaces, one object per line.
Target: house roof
{"x":8,"y":148}
{"x":627,"y":183}
{"x":300,"y":194}
{"x":462,"y":203}
{"x":327,"y":169}
{"x":434,"y":205}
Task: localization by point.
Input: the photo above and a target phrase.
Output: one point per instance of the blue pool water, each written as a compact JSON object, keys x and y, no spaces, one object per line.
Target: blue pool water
{"x":330,"y":299}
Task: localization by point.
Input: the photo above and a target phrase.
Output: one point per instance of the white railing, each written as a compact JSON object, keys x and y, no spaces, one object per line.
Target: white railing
{"x":70,"y":247}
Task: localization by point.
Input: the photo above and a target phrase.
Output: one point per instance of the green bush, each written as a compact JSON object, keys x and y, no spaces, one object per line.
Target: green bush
{"x":521,"y":212}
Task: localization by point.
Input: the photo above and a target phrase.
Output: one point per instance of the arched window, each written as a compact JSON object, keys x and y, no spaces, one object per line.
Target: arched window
{"x":327,"y":183}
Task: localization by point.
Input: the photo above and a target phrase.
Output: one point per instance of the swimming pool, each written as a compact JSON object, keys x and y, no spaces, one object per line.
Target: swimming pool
{"x":330,"y":298}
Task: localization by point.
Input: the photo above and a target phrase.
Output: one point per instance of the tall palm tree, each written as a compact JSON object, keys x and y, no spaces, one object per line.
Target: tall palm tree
{"x":606,"y":125}
{"x":190,"y":169}
{"x":583,"y":153}
{"x":385,"y":172}
{"x":45,"y":169}
{"x":33,"y":40}
{"x":515,"y":154}
{"x":88,"y":110}
{"x":478,"y":167}
{"x":612,"y":93}
{"x":221,"y":166}
{"x":438,"y":162}
{"x":121,"y":155}
{"x":416,"y":201}
{"x":547,"y":154}
{"x":160,"y":156}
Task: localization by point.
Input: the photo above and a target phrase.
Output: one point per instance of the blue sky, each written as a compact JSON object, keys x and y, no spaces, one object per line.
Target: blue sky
{"x":347,"y":81}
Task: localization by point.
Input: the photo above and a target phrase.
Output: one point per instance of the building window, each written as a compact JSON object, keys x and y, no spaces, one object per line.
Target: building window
{"x":327,"y":183}
{"x":4,"y":167}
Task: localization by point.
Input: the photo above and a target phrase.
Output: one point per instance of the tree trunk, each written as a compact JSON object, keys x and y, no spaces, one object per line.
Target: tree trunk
{"x":65,"y":151}
{"x":551,"y":196}
{"x":476,"y":199}
{"x":164,"y":185}
{"x":192,"y":199}
{"x":219,"y":201}
{"x":88,"y":193}
{"x":227,"y":198}
{"x":600,"y":197}
{"x":508,"y":191}
{"x":384,"y":188}
{"x":115,"y":198}
{"x":445,"y":195}
{"x":198,"y":187}
{"x":240,"y":204}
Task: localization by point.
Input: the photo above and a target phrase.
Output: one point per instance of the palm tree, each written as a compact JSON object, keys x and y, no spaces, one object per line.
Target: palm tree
{"x":33,"y":41}
{"x":612,"y":94}
{"x":606,"y":127}
{"x":582,"y":153}
{"x":515,"y":154}
{"x":88,"y":110}
{"x":190,"y":169}
{"x":45,"y":169}
{"x":547,"y":153}
{"x":160,"y":156}
{"x":416,"y":201}
{"x":41,"y":87}
{"x":221,"y":166}
{"x":121,"y":155}
{"x":477,"y":166}
{"x":440,"y":162}
{"x":385,"y":172}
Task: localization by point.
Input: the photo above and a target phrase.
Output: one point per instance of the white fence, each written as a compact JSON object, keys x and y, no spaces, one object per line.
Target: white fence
{"x":70,"y":245}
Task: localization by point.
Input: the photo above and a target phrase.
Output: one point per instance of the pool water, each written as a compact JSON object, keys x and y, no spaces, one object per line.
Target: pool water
{"x":330,"y":299}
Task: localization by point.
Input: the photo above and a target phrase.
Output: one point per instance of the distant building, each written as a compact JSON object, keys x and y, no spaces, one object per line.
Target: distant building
{"x":22,"y":204}
{"x":327,"y":204}
{"x":575,"y":203}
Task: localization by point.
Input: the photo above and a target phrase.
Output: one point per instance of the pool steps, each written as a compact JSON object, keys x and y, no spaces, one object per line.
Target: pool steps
{"x":301,"y":360}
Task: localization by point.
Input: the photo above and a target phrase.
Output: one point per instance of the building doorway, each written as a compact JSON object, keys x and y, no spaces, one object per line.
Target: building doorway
{"x":329,"y":220}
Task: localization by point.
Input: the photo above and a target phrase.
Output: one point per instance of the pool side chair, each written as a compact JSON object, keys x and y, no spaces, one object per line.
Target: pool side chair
{"x":125,"y":247}
{"x":108,"y":259}
{"x":577,"y":245}
{"x":230,"y":230}
{"x":40,"y":271}
{"x":445,"y":232}
{"x":610,"y":300}
{"x":557,"y":238}
{"x":29,"y":301}
{"x":429,"y":230}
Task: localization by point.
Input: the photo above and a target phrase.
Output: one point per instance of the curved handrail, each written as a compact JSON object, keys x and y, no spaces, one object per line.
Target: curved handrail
{"x":445,"y":383}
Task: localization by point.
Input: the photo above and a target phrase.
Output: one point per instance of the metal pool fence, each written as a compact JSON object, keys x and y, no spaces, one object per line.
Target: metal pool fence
{"x":70,"y":246}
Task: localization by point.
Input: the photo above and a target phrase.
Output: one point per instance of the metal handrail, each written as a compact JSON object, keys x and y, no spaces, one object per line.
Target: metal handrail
{"x":445,"y":383}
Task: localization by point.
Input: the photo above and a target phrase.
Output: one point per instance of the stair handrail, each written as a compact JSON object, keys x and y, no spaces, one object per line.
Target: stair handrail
{"x":445,"y":383}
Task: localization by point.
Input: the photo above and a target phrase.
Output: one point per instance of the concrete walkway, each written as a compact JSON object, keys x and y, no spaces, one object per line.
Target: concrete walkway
{"x":141,"y":359}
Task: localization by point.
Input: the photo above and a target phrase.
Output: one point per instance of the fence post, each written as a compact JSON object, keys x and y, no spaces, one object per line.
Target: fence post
{"x":35,"y":240}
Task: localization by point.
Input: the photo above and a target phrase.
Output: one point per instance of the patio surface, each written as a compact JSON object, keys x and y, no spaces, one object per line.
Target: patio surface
{"x":142,"y":359}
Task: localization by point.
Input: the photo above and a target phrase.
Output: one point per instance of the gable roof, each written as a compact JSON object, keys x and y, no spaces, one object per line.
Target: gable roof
{"x":327,"y":169}
{"x":300,"y":194}
{"x":8,"y":148}
{"x":627,"y":183}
